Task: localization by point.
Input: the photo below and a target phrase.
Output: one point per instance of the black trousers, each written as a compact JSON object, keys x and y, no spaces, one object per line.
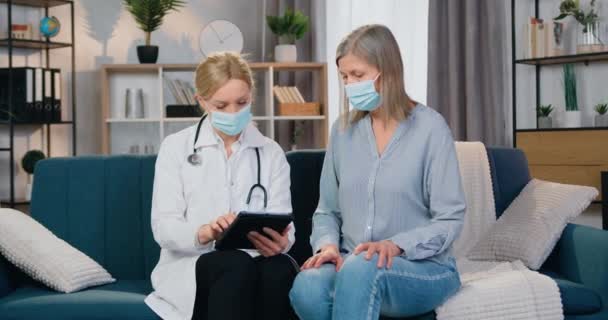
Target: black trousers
{"x":233,"y":285}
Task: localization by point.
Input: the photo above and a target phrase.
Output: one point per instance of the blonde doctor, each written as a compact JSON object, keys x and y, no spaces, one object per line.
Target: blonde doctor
{"x":204,"y":176}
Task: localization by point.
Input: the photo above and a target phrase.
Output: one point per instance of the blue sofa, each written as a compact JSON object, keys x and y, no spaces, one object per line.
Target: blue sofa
{"x":101,"y":205}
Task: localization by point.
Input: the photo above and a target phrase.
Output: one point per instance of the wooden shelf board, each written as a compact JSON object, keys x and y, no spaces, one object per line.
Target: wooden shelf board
{"x":34,"y":44}
{"x":18,"y":202}
{"x":563,"y":129}
{"x":6,"y":123}
{"x":299,"y":117}
{"x":575,"y":58}
{"x":192,"y":67}
{"x":38,"y":3}
{"x":117,"y":120}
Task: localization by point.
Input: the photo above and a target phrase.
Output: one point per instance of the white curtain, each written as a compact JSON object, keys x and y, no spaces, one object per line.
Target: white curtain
{"x":407,"y":19}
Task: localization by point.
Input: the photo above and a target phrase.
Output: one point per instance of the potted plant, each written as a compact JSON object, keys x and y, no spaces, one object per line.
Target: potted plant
{"x":290,"y":27}
{"x":589,"y":39}
{"x":149,"y":16}
{"x":573,"y":115}
{"x":28,"y":162}
{"x":601,"y":119}
{"x":543,"y":113}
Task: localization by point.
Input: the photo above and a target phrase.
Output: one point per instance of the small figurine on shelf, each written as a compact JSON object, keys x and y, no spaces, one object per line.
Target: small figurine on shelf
{"x":543,"y":113}
{"x":601,"y":119}
{"x":28,"y":162}
{"x":49,"y":26}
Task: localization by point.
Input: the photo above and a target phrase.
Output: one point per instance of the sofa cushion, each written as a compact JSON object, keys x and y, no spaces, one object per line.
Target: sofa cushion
{"x":123,"y":299}
{"x":48,"y":259}
{"x":531,"y":226}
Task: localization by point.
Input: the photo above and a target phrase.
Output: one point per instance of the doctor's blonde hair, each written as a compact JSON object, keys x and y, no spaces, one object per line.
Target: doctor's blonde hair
{"x":217,"y":69}
{"x":376,"y":45}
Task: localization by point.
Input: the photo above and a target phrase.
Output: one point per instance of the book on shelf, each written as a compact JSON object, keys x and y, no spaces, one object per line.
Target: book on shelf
{"x":543,"y":38}
{"x":182,"y":91}
{"x":36,"y":95}
{"x":288,"y":94}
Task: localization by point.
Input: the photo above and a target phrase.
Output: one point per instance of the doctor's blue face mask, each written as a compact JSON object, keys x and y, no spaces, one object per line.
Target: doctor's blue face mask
{"x":362,"y":95}
{"x":231,"y":123}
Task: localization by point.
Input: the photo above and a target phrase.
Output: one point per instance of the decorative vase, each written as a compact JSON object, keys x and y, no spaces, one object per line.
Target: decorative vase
{"x":545,"y":123}
{"x":572,"y":119}
{"x":601,"y":120}
{"x":28,"y":189}
{"x":147,"y":54}
{"x":589,"y":38}
{"x":285,"y":53}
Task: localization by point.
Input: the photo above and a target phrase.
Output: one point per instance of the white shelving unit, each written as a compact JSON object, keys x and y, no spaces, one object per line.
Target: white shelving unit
{"x":120,"y":133}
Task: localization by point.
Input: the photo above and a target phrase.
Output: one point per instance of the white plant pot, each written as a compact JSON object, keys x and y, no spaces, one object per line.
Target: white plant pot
{"x":545,"y":123}
{"x":572,"y":119}
{"x":285,"y":53}
{"x":28,"y":189}
{"x":601,"y":120}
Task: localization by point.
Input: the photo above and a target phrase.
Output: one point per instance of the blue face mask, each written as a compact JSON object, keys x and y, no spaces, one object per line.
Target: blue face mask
{"x":231,"y":123}
{"x":362,"y":95}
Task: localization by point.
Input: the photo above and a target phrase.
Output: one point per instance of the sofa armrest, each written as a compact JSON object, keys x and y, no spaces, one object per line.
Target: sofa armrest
{"x":581,"y":255}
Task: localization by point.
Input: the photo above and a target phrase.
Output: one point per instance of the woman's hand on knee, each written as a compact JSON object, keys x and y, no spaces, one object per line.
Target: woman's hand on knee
{"x":213,"y":230}
{"x":271,"y":245}
{"x":328,"y":254}
{"x":385,"y":249}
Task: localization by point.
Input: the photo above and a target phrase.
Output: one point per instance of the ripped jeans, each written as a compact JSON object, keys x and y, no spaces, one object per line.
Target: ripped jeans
{"x":362,"y":291}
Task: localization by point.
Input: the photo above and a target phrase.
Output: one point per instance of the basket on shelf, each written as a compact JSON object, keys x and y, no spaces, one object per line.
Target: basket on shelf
{"x":291,"y":103}
{"x":299,"y":109}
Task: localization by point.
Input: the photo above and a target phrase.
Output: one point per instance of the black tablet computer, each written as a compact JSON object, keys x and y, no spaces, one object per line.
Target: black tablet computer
{"x":235,"y":237}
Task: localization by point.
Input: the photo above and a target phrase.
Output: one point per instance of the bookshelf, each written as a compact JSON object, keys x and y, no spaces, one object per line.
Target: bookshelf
{"x":120,"y":134}
{"x":571,"y":155}
{"x":43,"y":46}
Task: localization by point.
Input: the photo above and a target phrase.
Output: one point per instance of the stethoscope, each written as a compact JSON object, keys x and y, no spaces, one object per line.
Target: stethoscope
{"x":196,"y":160}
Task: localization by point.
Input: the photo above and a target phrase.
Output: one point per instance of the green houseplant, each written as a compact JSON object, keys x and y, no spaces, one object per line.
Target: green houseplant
{"x":290,"y":27}
{"x":28,"y":163}
{"x":543,"y":113}
{"x":601,"y":119}
{"x":589,"y":24}
{"x":573,"y":114}
{"x":148,"y":15}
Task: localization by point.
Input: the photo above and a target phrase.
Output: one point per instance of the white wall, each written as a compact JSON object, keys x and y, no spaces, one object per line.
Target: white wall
{"x":106,"y":33}
{"x":407,"y":19}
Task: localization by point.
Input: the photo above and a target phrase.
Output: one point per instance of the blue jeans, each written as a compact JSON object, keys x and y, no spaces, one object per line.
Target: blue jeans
{"x":362,"y":291}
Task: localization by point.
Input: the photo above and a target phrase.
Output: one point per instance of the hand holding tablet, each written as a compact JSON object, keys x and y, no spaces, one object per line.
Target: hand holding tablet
{"x":236,"y":236}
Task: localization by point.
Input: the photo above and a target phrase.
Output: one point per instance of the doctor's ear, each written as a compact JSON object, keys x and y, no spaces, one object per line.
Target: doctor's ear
{"x":201,"y":101}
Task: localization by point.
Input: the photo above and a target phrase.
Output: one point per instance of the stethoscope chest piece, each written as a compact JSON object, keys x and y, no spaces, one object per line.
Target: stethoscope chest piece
{"x":195,"y":159}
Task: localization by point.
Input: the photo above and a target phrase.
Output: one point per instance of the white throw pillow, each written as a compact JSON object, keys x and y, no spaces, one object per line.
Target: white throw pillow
{"x":40,"y":254}
{"x":531,"y":226}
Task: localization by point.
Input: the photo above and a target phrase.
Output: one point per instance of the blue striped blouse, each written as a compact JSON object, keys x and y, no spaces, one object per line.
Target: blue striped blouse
{"x":410,"y":194}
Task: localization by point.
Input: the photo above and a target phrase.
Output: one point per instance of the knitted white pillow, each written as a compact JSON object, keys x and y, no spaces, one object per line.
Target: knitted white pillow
{"x":40,"y":254}
{"x":531,"y":226}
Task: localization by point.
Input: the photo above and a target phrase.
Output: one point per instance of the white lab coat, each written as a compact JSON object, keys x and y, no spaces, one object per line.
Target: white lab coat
{"x":186,"y":197}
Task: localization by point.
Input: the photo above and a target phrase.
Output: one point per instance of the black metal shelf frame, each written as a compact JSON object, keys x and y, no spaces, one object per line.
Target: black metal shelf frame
{"x":10,"y":43}
{"x":537,"y":63}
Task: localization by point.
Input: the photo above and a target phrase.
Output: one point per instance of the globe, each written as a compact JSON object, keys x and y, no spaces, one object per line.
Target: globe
{"x":49,"y":26}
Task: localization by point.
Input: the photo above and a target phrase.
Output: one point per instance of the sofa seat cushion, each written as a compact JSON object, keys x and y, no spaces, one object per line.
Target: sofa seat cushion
{"x":123,"y":299}
{"x":577,"y":299}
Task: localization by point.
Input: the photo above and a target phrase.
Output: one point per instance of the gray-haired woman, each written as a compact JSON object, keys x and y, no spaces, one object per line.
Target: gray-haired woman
{"x":391,"y":201}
